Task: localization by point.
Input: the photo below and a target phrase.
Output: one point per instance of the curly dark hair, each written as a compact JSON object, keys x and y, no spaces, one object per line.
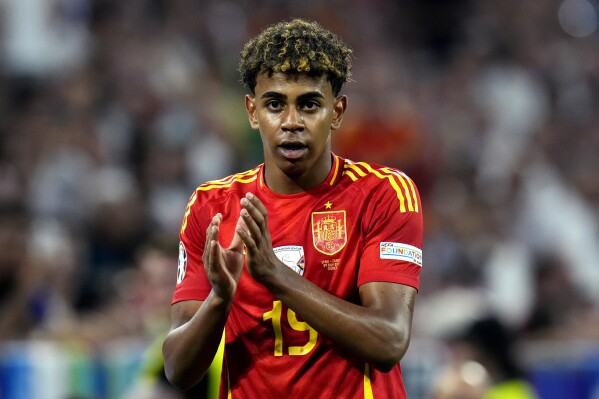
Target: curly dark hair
{"x":296,"y":46}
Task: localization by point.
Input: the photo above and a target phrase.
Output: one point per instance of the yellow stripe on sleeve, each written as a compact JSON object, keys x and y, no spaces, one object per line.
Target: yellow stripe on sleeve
{"x":401,"y":183}
{"x":409,"y":195}
{"x":398,"y":191}
{"x":192,"y":200}
{"x":412,"y":186}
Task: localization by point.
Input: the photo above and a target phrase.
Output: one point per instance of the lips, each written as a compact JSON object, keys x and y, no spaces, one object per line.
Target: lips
{"x":292,"y":149}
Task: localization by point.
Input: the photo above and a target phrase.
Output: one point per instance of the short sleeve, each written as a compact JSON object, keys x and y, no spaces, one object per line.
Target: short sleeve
{"x":393,"y":234}
{"x":192,"y":283}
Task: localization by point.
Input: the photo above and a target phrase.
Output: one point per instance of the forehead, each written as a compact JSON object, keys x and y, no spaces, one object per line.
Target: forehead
{"x":292,"y":84}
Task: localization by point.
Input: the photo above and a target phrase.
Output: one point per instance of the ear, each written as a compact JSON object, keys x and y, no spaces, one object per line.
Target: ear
{"x":250,"y":106}
{"x":339,"y":109}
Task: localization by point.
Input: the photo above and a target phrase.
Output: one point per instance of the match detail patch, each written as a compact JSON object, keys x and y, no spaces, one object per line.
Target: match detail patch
{"x":292,"y":256}
{"x":182,"y":263}
{"x":405,"y":252}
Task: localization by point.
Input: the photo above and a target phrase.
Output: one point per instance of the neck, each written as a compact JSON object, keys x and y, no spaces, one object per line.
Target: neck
{"x":292,"y":181}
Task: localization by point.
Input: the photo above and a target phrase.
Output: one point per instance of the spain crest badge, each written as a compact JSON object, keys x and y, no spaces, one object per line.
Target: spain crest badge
{"x":329,"y":231}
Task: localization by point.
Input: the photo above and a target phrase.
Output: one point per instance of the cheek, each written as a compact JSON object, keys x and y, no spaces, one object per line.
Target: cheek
{"x":324,"y":125}
{"x":268,"y":121}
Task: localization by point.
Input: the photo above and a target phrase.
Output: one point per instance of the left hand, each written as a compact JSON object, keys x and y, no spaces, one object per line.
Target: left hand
{"x":261,"y":260}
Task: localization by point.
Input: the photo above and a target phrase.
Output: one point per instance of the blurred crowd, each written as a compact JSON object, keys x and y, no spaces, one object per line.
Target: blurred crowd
{"x":112,"y":112}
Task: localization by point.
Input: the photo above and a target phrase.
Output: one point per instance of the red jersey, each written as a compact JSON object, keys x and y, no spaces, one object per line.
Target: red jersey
{"x":362,"y":224}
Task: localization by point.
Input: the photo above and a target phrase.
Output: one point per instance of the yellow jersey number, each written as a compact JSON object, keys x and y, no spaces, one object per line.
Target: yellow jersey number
{"x":275,"y":315}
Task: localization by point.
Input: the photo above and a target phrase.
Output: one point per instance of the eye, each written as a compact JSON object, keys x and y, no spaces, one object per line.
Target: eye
{"x":310,"y":105}
{"x":274,"y":105}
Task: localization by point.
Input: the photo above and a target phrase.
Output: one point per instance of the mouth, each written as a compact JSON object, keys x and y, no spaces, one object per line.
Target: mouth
{"x":292,"y":150}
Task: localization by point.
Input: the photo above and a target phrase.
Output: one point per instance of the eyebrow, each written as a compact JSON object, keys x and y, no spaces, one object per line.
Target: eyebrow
{"x":274,"y":94}
{"x":303,"y":97}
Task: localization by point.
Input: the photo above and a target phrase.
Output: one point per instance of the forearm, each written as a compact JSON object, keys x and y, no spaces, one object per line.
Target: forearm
{"x":189,"y":349}
{"x":378,"y":334}
{"x":377,"y":330}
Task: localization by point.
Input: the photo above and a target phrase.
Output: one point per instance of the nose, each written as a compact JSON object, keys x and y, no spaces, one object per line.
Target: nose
{"x":292,"y":120}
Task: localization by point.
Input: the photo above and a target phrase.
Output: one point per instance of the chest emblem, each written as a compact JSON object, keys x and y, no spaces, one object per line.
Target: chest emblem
{"x":329,"y":231}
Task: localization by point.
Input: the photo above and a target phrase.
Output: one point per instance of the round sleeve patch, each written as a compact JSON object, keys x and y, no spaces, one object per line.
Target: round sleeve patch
{"x":182,"y":263}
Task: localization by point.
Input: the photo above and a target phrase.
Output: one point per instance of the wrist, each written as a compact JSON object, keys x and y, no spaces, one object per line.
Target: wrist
{"x":277,"y":276}
{"x":218,"y":302}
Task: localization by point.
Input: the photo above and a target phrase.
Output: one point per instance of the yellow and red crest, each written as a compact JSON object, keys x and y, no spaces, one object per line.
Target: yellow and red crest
{"x":329,"y":231}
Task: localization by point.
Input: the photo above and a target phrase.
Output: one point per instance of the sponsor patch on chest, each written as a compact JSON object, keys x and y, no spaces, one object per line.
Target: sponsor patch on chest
{"x":292,"y":256}
{"x":398,"y":251}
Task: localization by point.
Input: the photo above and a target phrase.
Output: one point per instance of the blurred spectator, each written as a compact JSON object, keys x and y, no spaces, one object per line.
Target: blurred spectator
{"x":483,"y":365}
{"x":17,"y":274}
{"x":112,"y":112}
{"x":44,"y":37}
{"x":560,"y":310}
{"x":138,"y":302}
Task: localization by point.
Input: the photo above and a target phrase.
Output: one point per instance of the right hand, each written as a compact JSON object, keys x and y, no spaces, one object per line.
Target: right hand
{"x":223,"y":266}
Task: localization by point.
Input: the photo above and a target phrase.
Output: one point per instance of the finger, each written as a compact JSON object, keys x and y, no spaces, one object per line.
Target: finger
{"x":255,"y":214}
{"x":237,"y":242}
{"x":211,"y":235}
{"x":252,"y":226}
{"x":206,"y":254}
{"x":213,"y":230}
{"x":213,"y":255}
{"x":216,"y":219}
{"x":247,"y":239}
{"x":208,"y":236}
{"x":212,"y":249}
{"x":258,"y":204}
{"x":218,"y":274}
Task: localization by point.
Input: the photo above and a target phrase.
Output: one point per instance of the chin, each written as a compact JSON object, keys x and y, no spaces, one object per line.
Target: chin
{"x":293,"y":168}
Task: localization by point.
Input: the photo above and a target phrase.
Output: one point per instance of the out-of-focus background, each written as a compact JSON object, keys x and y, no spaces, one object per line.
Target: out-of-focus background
{"x":112,"y":112}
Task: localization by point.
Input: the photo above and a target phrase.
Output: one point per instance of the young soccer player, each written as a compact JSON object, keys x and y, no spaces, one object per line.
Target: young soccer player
{"x":309,"y":262}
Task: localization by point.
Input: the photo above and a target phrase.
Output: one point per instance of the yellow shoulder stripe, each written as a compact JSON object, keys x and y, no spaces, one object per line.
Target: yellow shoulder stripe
{"x":402,"y":184}
{"x":405,"y":182}
{"x":355,"y":168}
{"x":350,"y":174}
{"x":238,"y":179}
{"x":245,"y":177}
